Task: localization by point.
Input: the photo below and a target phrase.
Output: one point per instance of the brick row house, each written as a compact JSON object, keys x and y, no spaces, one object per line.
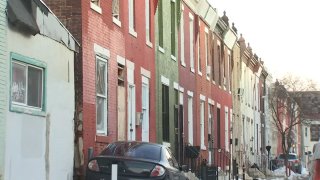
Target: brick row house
{"x":160,"y":71}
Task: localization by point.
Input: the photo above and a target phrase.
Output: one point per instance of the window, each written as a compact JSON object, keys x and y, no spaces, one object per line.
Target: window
{"x":219,"y":61}
{"x":306,"y":132}
{"x":190,"y":120}
{"x":183,"y":63}
{"x":27,"y":84}
{"x":218,"y":128}
{"x":206,"y":51}
{"x":202,"y":125}
{"x":199,"y":58}
{"x":226,"y":128}
{"x":131,"y":4}
{"x":315,"y":132}
{"x":95,"y":5}
{"x":160,"y":24}
{"x":116,"y":9}
{"x":173,"y":28}
{"x":147,"y":7}
{"x":165,"y":113}
{"x":102,"y":94}
{"x":191,"y":25}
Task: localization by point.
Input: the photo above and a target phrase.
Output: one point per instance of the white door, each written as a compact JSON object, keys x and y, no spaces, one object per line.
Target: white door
{"x":145,"y":109}
{"x":131,"y":113}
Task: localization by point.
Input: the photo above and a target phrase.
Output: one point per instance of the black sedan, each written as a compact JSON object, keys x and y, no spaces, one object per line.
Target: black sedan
{"x":135,"y":160}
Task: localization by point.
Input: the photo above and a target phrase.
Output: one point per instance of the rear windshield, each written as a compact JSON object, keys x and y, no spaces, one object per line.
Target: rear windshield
{"x":137,"y":150}
{"x":290,"y":156}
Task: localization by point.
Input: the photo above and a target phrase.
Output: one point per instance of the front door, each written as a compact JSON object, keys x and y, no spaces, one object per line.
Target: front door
{"x":145,"y":109}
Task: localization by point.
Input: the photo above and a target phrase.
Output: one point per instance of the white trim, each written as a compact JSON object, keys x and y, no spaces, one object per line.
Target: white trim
{"x":175,"y":85}
{"x":200,"y":73}
{"x":133,"y":32}
{"x":165,"y":81}
{"x":226,"y":108}
{"x":145,"y":73}
{"x":181,"y":89}
{"x":130,"y":64}
{"x":183,"y":64}
{"x":182,"y":7}
{"x":218,"y":105}
{"x":121,"y":60}
{"x":173,"y":1}
{"x":210,"y":101}
{"x":116,"y":21}
{"x":161,"y":49}
{"x":95,"y":8}
{"x":191,"y":16}
{"x":202,"y":97}
{"x":101,"y":50}
{"x":190,"y":93}
{"x":229,"y":52}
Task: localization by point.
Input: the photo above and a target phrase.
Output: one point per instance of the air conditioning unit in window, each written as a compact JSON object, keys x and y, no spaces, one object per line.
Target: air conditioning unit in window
{"x":208,"y":70}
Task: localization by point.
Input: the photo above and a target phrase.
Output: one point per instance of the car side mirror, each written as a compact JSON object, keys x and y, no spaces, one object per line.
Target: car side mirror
{"x":184,"y":168}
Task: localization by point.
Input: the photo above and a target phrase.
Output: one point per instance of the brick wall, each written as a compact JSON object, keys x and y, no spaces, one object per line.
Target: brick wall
{"x":4,"y":75}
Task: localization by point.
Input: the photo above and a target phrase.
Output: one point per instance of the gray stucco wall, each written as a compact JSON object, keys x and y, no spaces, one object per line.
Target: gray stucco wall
{"x":3,"y":81}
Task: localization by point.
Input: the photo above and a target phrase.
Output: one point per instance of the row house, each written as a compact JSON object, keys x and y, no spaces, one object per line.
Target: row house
{"x":116,"y":79}
{"x":37,"y":57}
{"x":204,"y":88}
{"x":252,"y":100}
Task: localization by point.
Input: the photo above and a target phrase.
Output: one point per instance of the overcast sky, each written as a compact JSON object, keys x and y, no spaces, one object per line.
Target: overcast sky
{"x":284,"y":33}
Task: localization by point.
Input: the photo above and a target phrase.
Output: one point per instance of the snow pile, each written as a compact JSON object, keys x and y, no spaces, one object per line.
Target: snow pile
{"x":282,"y":172}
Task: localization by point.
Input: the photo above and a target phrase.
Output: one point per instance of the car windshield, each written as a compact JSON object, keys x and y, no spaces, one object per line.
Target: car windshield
{"x":132,"y":149}
{"x":290,"y":156}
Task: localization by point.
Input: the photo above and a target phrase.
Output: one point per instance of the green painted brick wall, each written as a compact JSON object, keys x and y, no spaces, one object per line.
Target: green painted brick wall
{"x":3,"y":82}
{"x":166,"y":66}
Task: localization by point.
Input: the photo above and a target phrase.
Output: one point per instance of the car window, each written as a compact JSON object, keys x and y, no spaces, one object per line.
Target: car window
{"x":171,"y":159}
{"x":290,"y":156}
{"x":137,"y":150}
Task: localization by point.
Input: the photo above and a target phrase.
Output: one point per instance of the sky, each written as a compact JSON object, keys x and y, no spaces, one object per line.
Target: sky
{"x":285,"y":34}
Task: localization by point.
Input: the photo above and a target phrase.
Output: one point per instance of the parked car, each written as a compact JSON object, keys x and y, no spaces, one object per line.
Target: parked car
{"x":293,"y":162}
{"x":135,"y":160}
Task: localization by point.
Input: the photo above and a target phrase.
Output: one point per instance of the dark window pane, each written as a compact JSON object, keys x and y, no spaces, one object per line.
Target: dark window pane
{"x":100,"y":113}
{"x":34,"y":87}
{"x":165,"y":113}
{"x":18,"y":86}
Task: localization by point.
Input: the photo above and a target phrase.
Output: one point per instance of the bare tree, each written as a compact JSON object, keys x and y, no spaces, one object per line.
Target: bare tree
{"x":285,"y":110}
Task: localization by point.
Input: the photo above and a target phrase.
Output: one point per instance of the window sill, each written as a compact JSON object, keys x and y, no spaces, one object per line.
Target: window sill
{"x":208,"y":78}
{"x":200,"y":73}
{"x":183,"y":64}
{"x":192,"y":69}
{"x":213,"y":82}
{"x":173,"y":58}
{"x":116,"y":21}
{"x":95,"y":8}
{"x":133,"y":33}
{"x":161,"y":49}
{"x":203,"y":147}
{"x":27,"y":110}
{"x":149,"y":44}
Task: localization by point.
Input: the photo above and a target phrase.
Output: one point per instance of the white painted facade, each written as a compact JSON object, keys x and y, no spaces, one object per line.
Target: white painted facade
{"x":39,"y":143}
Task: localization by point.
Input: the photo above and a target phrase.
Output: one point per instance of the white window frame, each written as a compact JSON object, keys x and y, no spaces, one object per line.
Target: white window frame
{"x":147,"y":15}
{"x":95,"y":5}
{"x":226,"y":125}
{"x":202,"y":111}
{"x":182,"y":59}
{"x":104,"y":131}
{"x":145,"y":104}
{"x":131,"y":18}
{"x":191,"y":27}
{"x":206,"y":50}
